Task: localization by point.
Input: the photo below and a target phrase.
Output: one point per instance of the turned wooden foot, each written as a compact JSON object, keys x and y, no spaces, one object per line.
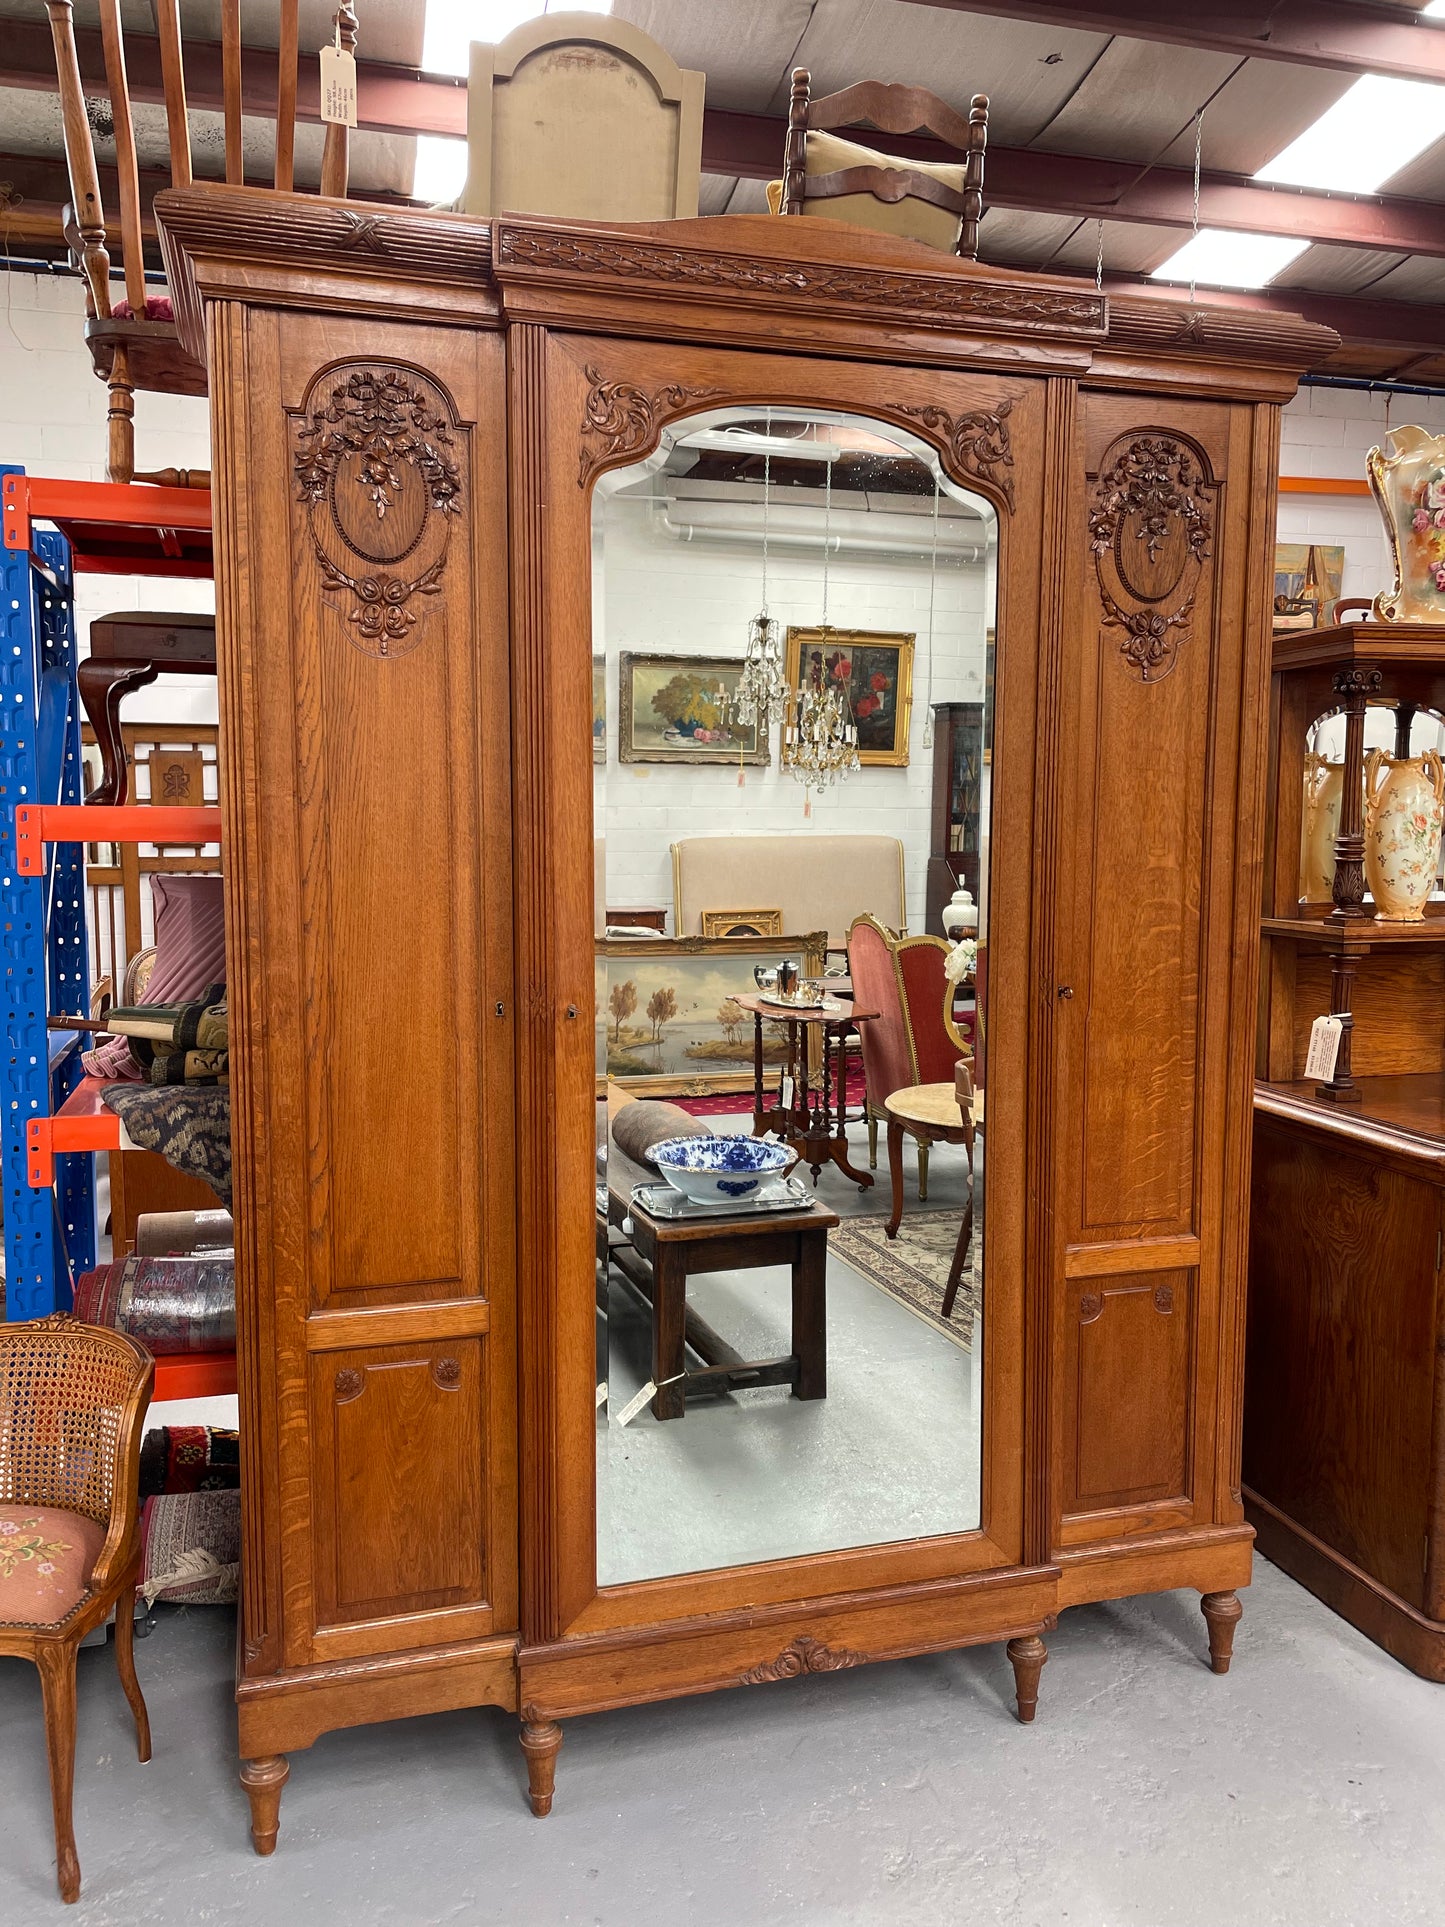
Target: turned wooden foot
{"x":1027,"y":1657}
{"x":263,"y":1781}
{"x":1222,"y":1613}
{"x":541,"y":1741}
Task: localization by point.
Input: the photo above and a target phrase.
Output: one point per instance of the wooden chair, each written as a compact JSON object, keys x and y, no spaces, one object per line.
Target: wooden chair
{"x":936,"y":1114}
{"x":136,"y":344}
{"x":939,"y":204}
{"x":72,"y":1401}
{"x":914,"y":1041}
{"x":585,"y":117}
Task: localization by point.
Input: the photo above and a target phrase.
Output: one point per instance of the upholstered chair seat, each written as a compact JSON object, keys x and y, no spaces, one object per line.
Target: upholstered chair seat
{"x":46,"y":1559}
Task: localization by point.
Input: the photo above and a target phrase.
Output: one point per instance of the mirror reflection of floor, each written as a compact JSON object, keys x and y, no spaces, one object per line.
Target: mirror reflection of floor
{"x":893,"y":1451}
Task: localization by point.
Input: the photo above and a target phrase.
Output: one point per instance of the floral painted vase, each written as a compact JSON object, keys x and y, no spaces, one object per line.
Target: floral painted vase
{"x":1404,"y":816}
{"x":1409,"y":486}
{"x":1319,"y":826}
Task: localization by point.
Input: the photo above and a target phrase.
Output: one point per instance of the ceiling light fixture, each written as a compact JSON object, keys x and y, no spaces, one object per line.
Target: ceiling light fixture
{"x":1223,"y":260}
{"x":1374,"y":129}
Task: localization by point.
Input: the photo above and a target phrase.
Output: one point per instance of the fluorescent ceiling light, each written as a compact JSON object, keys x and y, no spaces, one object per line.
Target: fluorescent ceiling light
{"x":452,"y":26}
{"x":1373,"y":130}
{"x":441,"y":168}
{"x":1227,"y":260}
{"x":1435,"y":10}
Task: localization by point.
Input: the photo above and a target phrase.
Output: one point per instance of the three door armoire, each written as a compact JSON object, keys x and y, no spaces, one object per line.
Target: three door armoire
{"x":417,"y":419}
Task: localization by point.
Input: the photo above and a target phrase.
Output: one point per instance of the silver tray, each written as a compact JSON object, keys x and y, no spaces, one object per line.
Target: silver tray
{"x":778,"y":1194}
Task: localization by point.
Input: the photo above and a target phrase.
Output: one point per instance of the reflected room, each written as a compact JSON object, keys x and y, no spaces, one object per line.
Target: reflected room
{"x":793,"y":631}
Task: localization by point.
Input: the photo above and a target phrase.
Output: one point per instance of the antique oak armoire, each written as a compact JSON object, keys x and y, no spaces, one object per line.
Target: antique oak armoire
{"x":410,"y":414}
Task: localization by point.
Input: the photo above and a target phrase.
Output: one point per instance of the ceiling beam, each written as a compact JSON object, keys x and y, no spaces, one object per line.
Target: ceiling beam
{"x":751,"y":146}
{"x":1347,"y":36}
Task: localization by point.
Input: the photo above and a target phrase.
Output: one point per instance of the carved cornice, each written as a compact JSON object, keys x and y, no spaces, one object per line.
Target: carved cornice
{"x":804,"y":1655}
{"x":1231,"y":334}
{"x":977,"y":443}
{"x":621,"y":420}
{"x":962,"y":299}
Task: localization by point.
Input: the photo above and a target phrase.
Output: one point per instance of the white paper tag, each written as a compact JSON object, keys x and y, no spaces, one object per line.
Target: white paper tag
{"x":338,"y":86}
{"x":634,"y":1405}
{"x":1325,"y":1034}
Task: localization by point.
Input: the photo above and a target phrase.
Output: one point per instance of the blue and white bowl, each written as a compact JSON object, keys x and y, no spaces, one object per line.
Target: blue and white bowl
{"x":720,"y":1170}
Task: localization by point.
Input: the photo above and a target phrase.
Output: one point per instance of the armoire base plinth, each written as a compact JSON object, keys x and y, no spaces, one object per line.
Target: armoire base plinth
{"x":281,"y":1713}
{"x":1381,"y":1615}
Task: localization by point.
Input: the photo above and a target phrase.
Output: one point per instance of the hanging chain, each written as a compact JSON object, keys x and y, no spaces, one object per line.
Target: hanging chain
{"x":1198,"y":169}
{"x":932,"y":591}
{"x":1099,"y":263}
{"x":767,"y":492}
{"x":827,"y":532}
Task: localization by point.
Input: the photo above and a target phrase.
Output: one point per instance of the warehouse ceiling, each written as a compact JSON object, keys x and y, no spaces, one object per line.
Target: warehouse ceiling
{"x":1092,"y":126}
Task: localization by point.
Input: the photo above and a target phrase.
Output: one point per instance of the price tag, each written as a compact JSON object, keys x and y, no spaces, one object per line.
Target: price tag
{"x":338,"y":86}
{"x":1325,"y":1034}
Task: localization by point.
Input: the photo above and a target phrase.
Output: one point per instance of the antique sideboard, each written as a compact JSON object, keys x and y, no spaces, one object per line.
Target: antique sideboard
{"x":411,"y":413}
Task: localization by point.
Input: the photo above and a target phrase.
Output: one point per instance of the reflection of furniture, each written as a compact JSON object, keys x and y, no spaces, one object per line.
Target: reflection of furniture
{"x":127,"y":651}
{"x":382,"y":1224}
{"x":820,"y":882}
{"x":671,"y":1251}
{"x":935,"y":1114}
{"x":1344,"y":1456}
{"x":137,"y":345}
{"x":652,"y":917}
{"x":913,"y":1039}
{"x":72,"y":1401}
{"x":1319,"y":957}
{"x":809,"y":1108}
{"x":1344,"y":1460}
{"x":940,"y":205}
{"x":583,"y":116}
{"x":953,"y":850}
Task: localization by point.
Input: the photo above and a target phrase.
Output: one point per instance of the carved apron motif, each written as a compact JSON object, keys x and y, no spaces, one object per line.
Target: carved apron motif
{"x":376,"y":466}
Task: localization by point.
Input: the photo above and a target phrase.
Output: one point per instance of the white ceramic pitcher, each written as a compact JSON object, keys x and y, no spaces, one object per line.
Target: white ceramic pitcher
{"x":1404,"y":816}
{"x":1319,"y":826}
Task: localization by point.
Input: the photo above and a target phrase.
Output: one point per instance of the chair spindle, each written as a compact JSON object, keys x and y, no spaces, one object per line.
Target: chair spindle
{"x":173,"y":79}
{"x":336,"y":154}
{"x":88,"y":214}
{"x":286,"y":58}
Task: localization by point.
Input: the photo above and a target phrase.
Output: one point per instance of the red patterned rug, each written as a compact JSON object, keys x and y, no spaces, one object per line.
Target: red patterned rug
{"x":737,"y":1103}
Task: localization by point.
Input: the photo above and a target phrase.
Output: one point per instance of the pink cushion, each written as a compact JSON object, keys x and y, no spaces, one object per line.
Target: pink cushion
{"x":158,"y":308}
{"x":190,"y":924}
{"x":46,"y":1558}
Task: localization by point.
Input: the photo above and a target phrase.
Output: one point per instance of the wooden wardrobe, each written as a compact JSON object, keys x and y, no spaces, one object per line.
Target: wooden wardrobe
{"x":410,"y":412}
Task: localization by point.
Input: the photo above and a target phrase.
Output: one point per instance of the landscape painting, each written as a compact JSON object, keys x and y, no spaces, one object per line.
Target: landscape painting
{"x":669,"y":1015}
{"x":1307,"y":583}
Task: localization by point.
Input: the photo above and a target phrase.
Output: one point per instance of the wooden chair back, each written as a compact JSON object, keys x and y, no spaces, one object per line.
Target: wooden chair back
{"x":130,"y":345}
{"x":892,"y":109}
{"x":72,"y":1398}
{"x":582,"y":116}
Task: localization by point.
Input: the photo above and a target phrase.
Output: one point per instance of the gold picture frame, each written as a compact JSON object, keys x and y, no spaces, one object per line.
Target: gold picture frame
{"x":599,"y":709}
{"x":742,"y":923}
{"x":668,"y":712}
{"x":880,"y":684}
{"x":668,"y":1037}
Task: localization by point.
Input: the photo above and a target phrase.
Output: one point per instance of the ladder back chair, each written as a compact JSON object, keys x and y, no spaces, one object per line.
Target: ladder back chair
{"x":940,"y":204}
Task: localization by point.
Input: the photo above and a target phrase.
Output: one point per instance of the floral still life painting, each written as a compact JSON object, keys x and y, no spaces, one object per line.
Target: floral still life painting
{"x":681,"y":709}
{"x":876,"y":667}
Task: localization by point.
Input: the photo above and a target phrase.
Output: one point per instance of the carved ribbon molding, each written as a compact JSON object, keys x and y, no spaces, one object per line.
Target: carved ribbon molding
{"x":621,"y":419}
{"x":1150,"y":527}
{"x":804,"y":1655}
{"x":977,"y":443}
{"x":376,"y":467}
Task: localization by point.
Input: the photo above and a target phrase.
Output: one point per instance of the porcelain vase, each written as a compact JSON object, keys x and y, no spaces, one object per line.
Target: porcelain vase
{"x":960,"y":916}
{"x":1319,"y":826}
{"x":1409,"y":487}
{"x":1404,"y":815}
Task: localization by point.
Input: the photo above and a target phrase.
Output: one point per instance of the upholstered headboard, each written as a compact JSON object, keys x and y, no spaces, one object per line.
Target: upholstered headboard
{"x":818,"y":882}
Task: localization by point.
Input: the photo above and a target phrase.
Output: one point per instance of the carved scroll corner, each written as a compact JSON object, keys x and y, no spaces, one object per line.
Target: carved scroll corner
{"x":804,"y":1655}
{"x":348,"y":1385}
{"x":1164,"y":1298}
{"x":619,"y":419}
{"x":1091,"y":1305}
{"x":447,"y":1373}
{"x":976,"y":444}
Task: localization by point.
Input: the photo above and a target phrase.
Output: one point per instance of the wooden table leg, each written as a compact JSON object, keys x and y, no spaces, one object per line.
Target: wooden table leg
{"x":101,"y":683}
{"x":810,"y":1314}
{"x":669,"y":1338}
{"x":760,"y":1105}
{"x":960,"y":1255}
{"x":895,"y":1172}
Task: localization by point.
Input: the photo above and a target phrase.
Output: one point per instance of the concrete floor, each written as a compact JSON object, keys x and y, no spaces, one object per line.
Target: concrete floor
{"x":1304,"y":1790}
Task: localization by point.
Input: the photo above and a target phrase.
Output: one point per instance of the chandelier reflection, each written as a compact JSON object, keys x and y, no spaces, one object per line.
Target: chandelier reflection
{"x":762,"y":687}
{"x":820,"y":737}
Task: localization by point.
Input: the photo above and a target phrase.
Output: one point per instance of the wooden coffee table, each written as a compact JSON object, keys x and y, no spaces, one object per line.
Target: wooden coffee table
{"x":661,"y":1254}
{"x":813,"y":1120}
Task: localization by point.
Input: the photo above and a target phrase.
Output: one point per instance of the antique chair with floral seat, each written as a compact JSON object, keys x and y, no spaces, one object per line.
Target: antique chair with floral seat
{"x":73,"y":1399}
{"x":914,"y":1041}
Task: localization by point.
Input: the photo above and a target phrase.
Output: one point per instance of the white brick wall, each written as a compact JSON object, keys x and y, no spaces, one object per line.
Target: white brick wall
{"x":52,"y":423}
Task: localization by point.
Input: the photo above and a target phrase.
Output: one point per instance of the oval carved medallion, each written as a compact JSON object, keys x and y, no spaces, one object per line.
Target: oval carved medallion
{"x":1150,"y":524}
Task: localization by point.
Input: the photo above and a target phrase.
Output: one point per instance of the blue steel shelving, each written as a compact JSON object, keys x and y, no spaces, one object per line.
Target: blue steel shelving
{"x":49,"y":1234}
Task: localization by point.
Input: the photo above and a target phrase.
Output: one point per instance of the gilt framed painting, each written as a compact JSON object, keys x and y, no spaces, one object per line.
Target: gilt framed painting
{"x":876,"y":667}
{"x":678,"y":709}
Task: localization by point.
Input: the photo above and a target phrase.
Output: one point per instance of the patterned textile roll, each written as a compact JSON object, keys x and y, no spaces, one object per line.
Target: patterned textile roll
{"x":179,"y":1304}
{"x":189,"y":1458}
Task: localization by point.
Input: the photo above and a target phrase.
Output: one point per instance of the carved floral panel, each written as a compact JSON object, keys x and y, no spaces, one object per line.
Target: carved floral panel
{"x":1151,"y":522}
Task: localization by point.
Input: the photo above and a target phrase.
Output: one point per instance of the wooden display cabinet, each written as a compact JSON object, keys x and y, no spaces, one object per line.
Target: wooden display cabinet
{"x":410,"y":875}
{"x":1344,"y":1477}
{"x":953,"y":855}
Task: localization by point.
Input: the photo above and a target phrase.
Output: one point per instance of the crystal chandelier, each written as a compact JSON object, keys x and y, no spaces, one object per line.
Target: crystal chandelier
{"x":820,"y":737}
{"x":762,"y":687}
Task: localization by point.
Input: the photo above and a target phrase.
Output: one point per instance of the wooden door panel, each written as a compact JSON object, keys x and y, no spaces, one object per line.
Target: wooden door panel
{"x":399,"y":1469}
{"x":1128,"y":1415}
